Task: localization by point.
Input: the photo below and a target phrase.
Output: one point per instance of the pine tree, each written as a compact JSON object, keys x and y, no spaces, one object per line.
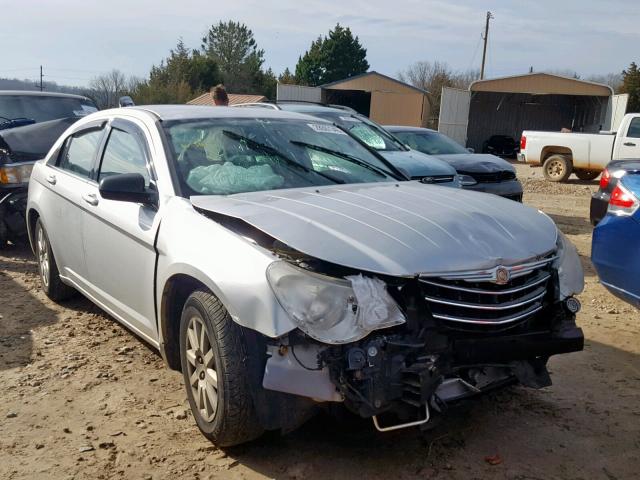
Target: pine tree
{"x":334,"y":57}
{"x":631,"y":85}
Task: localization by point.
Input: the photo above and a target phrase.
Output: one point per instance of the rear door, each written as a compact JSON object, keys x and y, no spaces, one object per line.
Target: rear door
{"x":629,"y":145}
{"x":120,"y":236}
{"x":67,"y":176}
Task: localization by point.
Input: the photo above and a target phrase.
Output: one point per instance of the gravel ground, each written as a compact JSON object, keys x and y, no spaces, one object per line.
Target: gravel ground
{"x":84,"y":398}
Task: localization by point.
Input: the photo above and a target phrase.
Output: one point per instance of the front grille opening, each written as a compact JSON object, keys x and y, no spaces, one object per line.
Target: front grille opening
{"x":491,"y":177}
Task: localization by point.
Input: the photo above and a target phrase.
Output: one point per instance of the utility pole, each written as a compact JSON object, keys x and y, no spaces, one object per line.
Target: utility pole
{"x":485,"y":37}
{"x":41,"y":77}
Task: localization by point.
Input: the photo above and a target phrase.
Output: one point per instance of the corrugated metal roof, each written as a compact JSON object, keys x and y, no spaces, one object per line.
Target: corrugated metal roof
{"x":541,"y":84}
{"x":373,"y":73}
{"x":234,"y":99}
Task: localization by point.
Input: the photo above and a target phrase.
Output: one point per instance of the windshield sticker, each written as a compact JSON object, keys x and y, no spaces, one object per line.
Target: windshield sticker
{"x":349,"y":119}
{"x":325,"y":128}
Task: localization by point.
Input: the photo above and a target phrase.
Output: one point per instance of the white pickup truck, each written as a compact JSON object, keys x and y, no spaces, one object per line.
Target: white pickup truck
{"x":584,"y":154}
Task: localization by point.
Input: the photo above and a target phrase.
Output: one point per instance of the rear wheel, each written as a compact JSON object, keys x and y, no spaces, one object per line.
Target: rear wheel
{"x":557,"y":168}
{"x":587,"y":174}
{"x":52,"y":285}
{"x":215,"y":370}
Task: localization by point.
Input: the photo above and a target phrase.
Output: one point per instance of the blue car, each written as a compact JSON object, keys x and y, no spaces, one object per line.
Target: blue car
{"x":616,"y":241}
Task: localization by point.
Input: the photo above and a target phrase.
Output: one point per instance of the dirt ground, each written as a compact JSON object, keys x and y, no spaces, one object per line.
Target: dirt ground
{"x":83,"y":398}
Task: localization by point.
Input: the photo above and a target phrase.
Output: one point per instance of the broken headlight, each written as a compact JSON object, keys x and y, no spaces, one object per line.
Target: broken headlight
{"x":333,"y":310}
{"x":570,"y":274}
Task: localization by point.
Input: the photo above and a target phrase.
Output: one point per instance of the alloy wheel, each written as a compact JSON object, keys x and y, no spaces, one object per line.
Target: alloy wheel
{"x":43,"y":257}
{"x":203,"y":378}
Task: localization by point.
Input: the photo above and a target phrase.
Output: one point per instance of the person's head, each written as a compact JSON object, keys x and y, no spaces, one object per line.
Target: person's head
{"x":220,"y":97}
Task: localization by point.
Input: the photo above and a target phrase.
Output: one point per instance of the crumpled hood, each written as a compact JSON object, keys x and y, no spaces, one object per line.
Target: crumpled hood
{"x":477,"y":163}
{"x":399,"y":229}
{"x":418,"y":164}
{"x":33,"y":142}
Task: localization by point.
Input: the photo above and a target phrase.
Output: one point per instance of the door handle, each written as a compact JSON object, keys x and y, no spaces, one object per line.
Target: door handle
{"x":629,"y":144}
{"x":90,"y":198}
{"x":51,"y":178}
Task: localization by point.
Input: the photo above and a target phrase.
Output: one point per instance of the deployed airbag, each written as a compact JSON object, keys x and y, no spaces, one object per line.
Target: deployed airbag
{"x":228,"y":178}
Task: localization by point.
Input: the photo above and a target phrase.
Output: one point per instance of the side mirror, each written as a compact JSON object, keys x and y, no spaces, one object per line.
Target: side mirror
{"x":471,"y":150}
{"x":127,"y":187}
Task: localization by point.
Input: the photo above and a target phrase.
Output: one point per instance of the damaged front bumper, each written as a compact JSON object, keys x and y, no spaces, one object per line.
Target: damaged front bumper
{"x":13,"y":205}
{"x":397,"y":379}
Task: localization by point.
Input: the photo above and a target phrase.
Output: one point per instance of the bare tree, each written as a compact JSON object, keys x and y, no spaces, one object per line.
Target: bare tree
{"x":614,"y":80}
{"x":432,"y":77}
{"x":106,"y":89}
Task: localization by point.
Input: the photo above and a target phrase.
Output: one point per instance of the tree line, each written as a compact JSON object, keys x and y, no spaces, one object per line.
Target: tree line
{"x":229,"y":54}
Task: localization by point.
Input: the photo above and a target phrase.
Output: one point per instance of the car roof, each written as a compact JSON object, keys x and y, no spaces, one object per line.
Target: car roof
{"x":404,"y":128}
{"x":194,"y":112}
{"x":31,"y":93}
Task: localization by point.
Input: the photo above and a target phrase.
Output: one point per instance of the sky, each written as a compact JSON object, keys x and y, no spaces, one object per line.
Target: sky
{"x":75,"y":40}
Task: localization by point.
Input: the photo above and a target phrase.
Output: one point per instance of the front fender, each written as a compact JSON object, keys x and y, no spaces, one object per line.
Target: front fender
{"x":231,"y":266}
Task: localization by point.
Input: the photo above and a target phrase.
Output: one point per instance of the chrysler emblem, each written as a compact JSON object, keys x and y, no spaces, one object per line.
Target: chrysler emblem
{"x":502,"y":276}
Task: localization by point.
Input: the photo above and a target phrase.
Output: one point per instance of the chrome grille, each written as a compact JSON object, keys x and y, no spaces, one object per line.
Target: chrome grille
{"x":476,"y":297}
{"x":435,"y":179}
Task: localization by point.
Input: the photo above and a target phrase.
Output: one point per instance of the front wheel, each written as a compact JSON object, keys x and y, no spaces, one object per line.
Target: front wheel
{"x":215,"y":370}
{"x":52,"y":285}
{"x":587,"y":174}
{"x":557,"y":168}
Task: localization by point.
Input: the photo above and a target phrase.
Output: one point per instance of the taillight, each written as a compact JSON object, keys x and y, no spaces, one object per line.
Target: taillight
{"x":622,"y":201}
{"x":604,"y":179}
{"x":523,"y":143}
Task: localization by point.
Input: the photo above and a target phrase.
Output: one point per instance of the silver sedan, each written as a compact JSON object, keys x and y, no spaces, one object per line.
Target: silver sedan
{"x":281,"y":266}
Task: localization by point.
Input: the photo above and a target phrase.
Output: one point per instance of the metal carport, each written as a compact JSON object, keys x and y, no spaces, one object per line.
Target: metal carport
{"x":535,"y":101}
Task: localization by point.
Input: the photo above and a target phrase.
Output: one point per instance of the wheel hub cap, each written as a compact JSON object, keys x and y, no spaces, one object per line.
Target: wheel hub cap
{"x":203,"y":378}
{"x":43,"y":257}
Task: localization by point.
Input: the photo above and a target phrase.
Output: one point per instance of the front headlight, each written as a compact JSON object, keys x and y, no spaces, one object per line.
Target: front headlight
{"x":467,"y":180}
{"x":570,"y":273}
{"x":332,"y":310}
{"x":14,"y":173}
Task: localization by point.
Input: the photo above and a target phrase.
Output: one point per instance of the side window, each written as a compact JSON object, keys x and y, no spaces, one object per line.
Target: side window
{"x":80,"y":152}
{"x":123,"y":154}
{"x":634,"y":128}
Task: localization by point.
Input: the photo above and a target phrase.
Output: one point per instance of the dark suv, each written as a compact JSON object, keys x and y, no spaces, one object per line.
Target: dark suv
{"x":30,"y":123}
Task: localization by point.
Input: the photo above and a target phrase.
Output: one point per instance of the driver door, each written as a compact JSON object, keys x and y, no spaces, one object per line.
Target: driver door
{"x":119,"y":237}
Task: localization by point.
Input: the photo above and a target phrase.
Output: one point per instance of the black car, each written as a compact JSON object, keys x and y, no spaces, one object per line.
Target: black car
{"x":30,"y":123}
{"x":477,"y":171}
{"x":608,"y":181}
{"x":502,"y":146}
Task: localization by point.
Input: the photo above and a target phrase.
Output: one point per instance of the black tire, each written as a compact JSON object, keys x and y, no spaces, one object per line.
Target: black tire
{"x":557,"y":168}
{"x":233,"y":420}
{"x":52,"y":285}
{"x":587,"y":174}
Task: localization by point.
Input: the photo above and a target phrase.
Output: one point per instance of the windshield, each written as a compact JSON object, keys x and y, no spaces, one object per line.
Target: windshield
{"x":431,"y":143}
{"x":43,"y":108}
{"x":368,"y":132}
{"x":224,"y":156}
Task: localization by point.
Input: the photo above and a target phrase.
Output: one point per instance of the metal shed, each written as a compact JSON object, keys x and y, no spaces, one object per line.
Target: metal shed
{"x":381,"y":98}
{"x":535,"y":101}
